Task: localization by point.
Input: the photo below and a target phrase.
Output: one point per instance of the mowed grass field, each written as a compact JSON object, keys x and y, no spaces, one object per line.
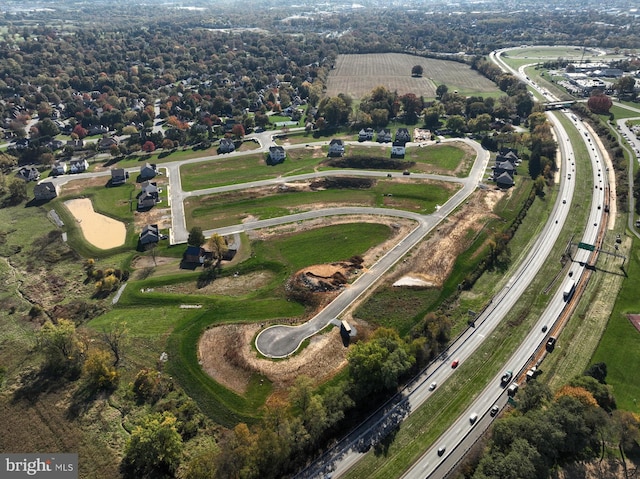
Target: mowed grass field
{"x":357,"y":75}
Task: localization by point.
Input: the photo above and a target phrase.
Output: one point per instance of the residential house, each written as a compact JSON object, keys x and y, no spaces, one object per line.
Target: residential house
{"x":78,"y":166}
{"x":365,"y":134}
{"x":194,"y":254}
{"x":403,"y":136}
{"x":149,"y":235}
{"x":76,"y":144}
{"x":397,"y":149}
{"x":55,"y":144}
{"x":22,"y":143}
{"x":276,"y":156}
{"x":118,"y":176}
{"x":503,"y":167}
{"x":505,"y":180}
{"x":106,"y":142}
{"x":59,"y":168}
{"x":148,"y":171}
{"x":28,"y":173}
{"x":384,"y":136}
{"x":336,"y":148}
{"x":45,"y":191}
{"x":226,"y":145}
{"x":97,"y":130}
{"x":508,"y":155}
{"x":149,"y":196}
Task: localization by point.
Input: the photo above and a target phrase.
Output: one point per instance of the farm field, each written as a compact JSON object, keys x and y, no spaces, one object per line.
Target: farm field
{"x":357,"y":75}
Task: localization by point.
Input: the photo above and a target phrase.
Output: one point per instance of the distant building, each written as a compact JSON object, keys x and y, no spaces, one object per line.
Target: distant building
{"x":149,"y":196}
{"x":28,"y":173}
{"x":397,"y":149}
{"x":59,"y":168}
{"x":403,"y":136}
{"x":78,"y":166}
{"x":226,"y":145}
{"x":365,"y":134}
{"x":336,"y":148}
{"x":276,"y":156}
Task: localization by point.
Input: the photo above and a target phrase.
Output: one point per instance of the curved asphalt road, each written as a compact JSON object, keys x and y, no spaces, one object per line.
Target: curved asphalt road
{"x":281,"y":341}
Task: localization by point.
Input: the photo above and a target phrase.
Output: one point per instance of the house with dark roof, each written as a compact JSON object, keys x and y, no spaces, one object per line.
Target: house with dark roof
{"x":505,"y":180}
{"x":403,"y":136}
{"x":149,"y":235}
{"x":384,"y":135}
{"x":76,"y":144}
{"x":118,"y":176}
{"x":194,"y":255}
{"x":45,"y":191}
{"x":149,"y":196}
{"x":276,"y":156}
{"x":504,"y":167}
{"x":148,"y":171}
{"x":366,"y":134}
{"x":336,"y":148}
{"x":106,"y":142}
{"x":226,"y":145}
{"x":28,"y":173}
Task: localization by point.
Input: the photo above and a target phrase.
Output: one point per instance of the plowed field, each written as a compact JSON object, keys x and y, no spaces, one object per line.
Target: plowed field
{"x":357,"y":75}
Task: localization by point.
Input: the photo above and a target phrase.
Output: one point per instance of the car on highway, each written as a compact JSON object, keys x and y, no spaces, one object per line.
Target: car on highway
{"x":455,"y":363}
{"x":473,"y":418}
{"x":441,"y":450}
{"x":544,"y":328}
{"x":432,"y":386}
{"x":494,"y":410}
{"x":506,"y":377}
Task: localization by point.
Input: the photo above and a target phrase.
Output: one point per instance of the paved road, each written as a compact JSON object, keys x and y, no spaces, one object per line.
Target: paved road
{"x":280,"y":341}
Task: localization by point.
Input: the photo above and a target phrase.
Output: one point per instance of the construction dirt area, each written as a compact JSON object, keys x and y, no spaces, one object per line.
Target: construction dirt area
{"x":99,"y":230}
{"x":227,"y":354}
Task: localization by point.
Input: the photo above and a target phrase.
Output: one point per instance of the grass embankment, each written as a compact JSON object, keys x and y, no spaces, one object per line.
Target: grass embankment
{"x":157,"y":323}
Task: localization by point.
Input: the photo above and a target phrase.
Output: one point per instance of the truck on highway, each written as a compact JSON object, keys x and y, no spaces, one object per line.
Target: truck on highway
{"x":506,"y":377}
{"x":569,"y":290}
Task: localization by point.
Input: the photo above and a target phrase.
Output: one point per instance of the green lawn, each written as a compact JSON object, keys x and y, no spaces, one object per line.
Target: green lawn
{"x":225,"y":209}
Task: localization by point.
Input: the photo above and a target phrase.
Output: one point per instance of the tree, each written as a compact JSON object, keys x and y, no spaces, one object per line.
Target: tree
{"x":60,"y":344}
{"x":417,"y":71}
{"x":17,"y":191}
{"x":412,"y":106}
{"x":148,"y":147}
{"x":456,"y":123}
{"x":116,"y":338}
{"x":237,"y":131}
{"x":80,"y":132}
{"x":599,"y":103}
{"x":196,"y":238}
{"x":154,"y":449}
{"x":378,"y":364}
{"x":441,"y":90}
{"x":218,"y":247}
{"x":47,"y":127}
{"x":99,"y":371}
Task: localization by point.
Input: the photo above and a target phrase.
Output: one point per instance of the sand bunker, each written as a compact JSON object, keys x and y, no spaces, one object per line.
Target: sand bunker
{"x":99,"y":230}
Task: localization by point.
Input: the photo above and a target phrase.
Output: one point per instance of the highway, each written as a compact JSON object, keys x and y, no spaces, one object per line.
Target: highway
{"x":463,"y":433}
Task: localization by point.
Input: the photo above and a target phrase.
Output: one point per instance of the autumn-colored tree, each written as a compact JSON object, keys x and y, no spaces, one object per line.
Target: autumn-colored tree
{"x":237,"y":131}
{"x":579,"y":393}
{"x":148,"y":147}
{"x":99,"y":370}
{"x":80,"y":132}
{"x":599,"y":103}
{"x":218,"y":247}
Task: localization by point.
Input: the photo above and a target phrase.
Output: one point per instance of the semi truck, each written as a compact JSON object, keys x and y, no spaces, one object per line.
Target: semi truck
{"x":567,"y":294}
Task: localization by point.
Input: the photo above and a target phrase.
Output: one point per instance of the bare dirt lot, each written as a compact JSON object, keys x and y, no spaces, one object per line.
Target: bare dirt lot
{"x":358,"y":75}
{"x":326,"y":353}
{"x":99,"y":230}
